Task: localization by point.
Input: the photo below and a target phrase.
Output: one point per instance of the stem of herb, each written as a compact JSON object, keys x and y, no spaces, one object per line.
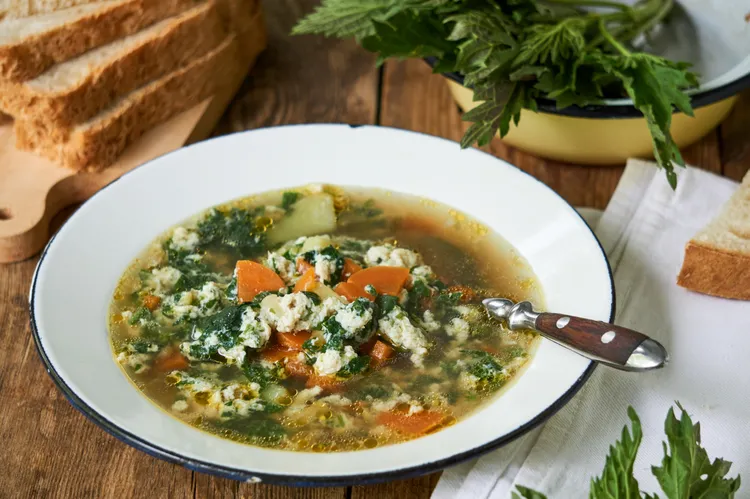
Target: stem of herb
{"x":664,"y":7}
{"x":611,"y":39}
{"x":593,"y":3}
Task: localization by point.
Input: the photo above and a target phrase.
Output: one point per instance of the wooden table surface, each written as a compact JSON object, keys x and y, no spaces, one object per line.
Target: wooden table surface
{"x":47,"y":449}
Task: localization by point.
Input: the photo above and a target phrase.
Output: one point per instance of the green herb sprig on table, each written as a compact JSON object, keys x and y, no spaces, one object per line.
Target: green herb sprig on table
{"x":516,"y":53}
{"x":686,"y":471}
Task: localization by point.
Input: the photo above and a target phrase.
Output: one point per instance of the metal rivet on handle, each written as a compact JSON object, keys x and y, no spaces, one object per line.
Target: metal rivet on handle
{"x":562,"y":322}
{"x":608,"y":337}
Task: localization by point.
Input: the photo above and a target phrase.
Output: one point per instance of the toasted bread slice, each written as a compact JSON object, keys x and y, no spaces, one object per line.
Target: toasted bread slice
{"x":29,"y":46}
{"x":97,"y":143}
{"x":717,"y":259}
{"x":74,"y":91}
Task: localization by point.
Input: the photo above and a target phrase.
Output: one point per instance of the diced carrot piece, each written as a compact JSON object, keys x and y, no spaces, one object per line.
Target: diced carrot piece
{"x":254,"y":278}
{"x":419,"y":423}
{"x":467,"y":294}
{"x":327,"y":383}
{"x":303,"y":265}
{"x":275,"y":353}
{"x":307,"y":282}
{"x":172,"y":361}
{"x":351,"y":291}
{"x":385,"y":280}
{"x":381,"y":352}
{"x":151,"y":302}
{"x":350,"y":267}
{"x":298,"y":369}
{"x":293,"y":341}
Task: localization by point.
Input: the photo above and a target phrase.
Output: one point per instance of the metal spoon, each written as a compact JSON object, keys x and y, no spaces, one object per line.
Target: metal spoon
{"x":602,"y":342}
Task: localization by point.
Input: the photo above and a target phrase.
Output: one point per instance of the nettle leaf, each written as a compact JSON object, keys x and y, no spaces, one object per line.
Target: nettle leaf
{"x":503,"y":104}
{"x":617,"y":480}
{"x":408,"y":34}
{"x":651,"y":85}
{"x":344,"y":18}
{"x":522,"y":492}
{"x":553,"y":43}
{"x":686,"y":471}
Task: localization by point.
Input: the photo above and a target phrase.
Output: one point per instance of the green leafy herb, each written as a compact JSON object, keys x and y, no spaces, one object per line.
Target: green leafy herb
{"x":515,"y":54}
{"x":355,"y":366}
{"x":314,"y":298}
{"x":686,"y":471}
{"x":485,"y":367}
{"x":233,"y":230}
{"x":224,"y":326}
{"x":255,"y":372}
{"x":385,"y":304}
{"x":289,"y":198}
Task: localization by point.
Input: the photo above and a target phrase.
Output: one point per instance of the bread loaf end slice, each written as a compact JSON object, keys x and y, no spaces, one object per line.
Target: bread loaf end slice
{"x":717,"y":259}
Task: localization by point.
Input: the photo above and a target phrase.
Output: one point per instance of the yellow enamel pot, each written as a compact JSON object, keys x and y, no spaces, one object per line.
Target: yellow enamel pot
{"x":604,"y":134}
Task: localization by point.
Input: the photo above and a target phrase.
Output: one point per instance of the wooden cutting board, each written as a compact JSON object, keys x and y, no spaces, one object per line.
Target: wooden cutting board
{"x":33,"y":190}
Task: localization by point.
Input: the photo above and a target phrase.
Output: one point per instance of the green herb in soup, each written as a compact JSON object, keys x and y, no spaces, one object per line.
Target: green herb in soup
{"x":322,"y":319}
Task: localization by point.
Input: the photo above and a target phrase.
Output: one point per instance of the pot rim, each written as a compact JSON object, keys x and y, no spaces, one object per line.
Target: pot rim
{"x":621,"y":111}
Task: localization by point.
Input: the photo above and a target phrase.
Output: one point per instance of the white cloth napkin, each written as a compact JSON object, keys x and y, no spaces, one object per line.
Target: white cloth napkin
{"x":643,"y":230}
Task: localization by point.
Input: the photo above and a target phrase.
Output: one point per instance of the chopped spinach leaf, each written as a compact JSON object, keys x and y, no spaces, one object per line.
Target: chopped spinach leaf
{"x":418,"y":295}
{"x":289,"y":198}
{"x":385,"y":304}
{"x":333,"y":333}
{"x":141,"y":314}
{"x":368,"y":209}
{"x":443,"y":306}
{"x":355,"y":366}
{"x":314,"y":298}
{"x":224,"y":326}
{"x":484,"y":366}
{"x":266,"y":431}
{"x":233,"y":230}
{"x":257,"y":373}
{"x":374,"y":391}
{"x":331,"y":254}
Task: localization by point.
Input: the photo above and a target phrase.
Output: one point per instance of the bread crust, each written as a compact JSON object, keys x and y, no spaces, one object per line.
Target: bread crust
{"x":33,"y":55}
{"x":97,"y":147}
{"x":55,"y":114}
{"x":715,"y":272}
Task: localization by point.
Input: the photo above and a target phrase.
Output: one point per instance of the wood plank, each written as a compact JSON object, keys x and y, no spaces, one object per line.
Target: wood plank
{"x":304,"y":79}
{"x":52,"y":449}
{"x":735,"y":139}
{"x":208,"y":487}
{"x":415,"y":488}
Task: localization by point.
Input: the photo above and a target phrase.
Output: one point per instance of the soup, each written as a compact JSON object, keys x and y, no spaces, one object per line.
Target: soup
{"x":322,"y":319}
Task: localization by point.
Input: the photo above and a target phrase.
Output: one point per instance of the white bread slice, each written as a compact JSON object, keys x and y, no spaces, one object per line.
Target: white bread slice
{"x":74,"y":91}
{"x":25,"y":8}
{"x":97,"y":143}
{"x":29,"y":46}
{"x":717,"y":259}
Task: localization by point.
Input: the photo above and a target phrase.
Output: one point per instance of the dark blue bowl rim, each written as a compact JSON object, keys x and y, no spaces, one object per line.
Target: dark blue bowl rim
{"x":621,"y":111}
{"x":332,"y":480}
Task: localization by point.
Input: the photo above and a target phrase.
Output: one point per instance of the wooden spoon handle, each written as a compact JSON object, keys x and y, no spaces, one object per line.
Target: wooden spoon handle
{"x":613,"y":345}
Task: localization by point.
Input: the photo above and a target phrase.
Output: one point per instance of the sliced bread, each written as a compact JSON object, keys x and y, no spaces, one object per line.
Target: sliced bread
{"x":97,"y":143}
{"x":74,"y":91}
{"x":717,"y":259}
{"x":26,"y":8}
{"x":30,"y":46}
